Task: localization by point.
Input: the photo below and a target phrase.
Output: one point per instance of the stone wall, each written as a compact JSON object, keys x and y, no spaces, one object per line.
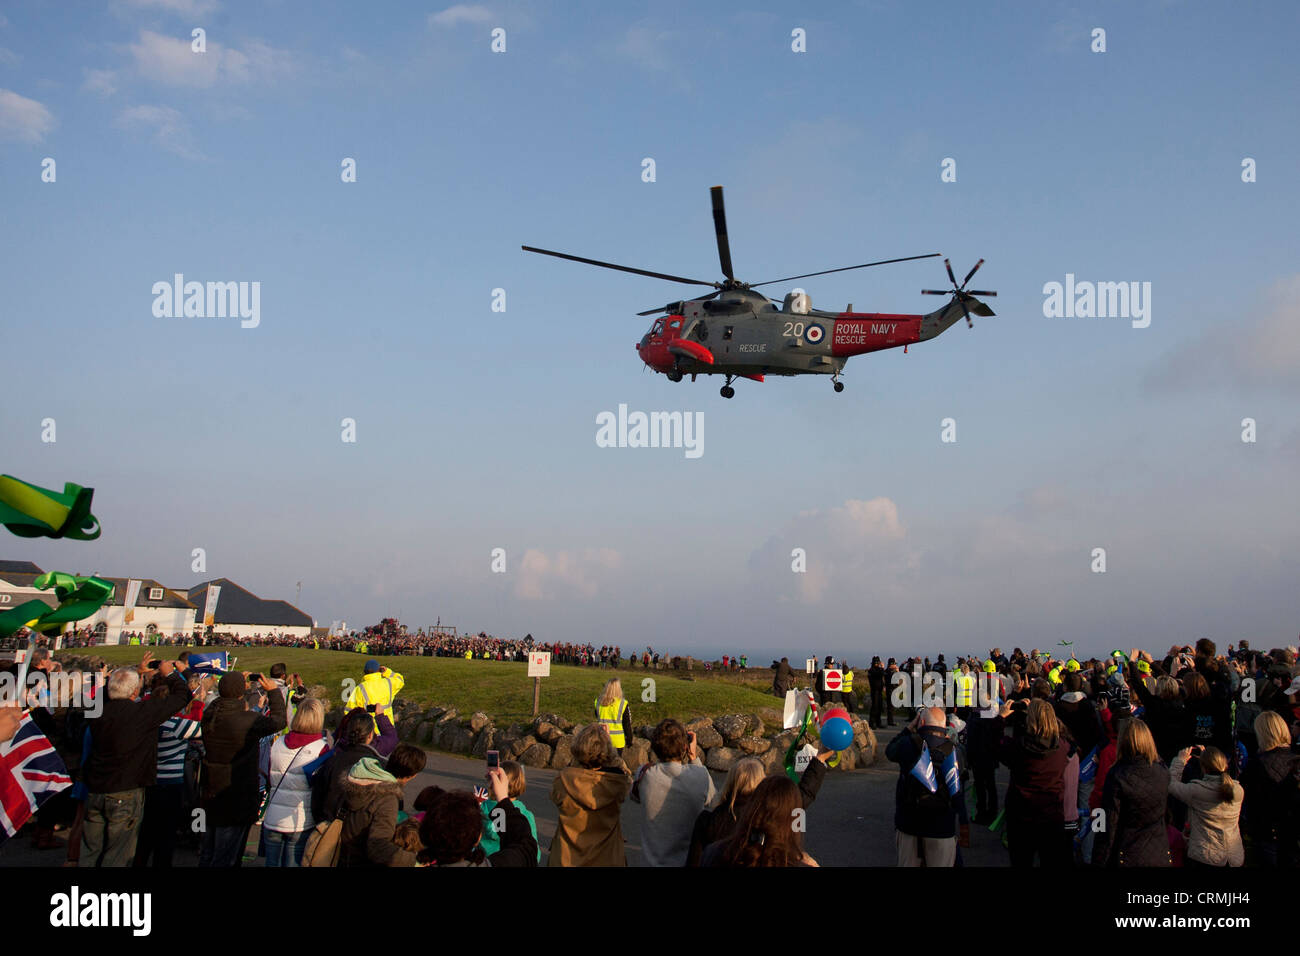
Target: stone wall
{"x":547,"y":741}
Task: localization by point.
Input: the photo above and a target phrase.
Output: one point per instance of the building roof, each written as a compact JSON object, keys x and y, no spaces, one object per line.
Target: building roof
{"x":19,"y":567}
{"x":237,"y":605}
{"x":169,"y":598}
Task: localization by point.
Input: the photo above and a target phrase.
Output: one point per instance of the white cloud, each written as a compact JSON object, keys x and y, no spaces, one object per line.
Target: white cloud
{"x":168,"y":126}
{"x":564,"y":574}
{"x":172,"y":61}
{"x":24,"y":120}
{"x":8,"y":57}
{"x":460,"y":13}
{"x":1260,"y":348}
{"x":100,"y":82}
{"x":858,"y":547}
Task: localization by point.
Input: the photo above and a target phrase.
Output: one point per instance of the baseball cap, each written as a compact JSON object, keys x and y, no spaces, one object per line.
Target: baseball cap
{"x":372,"y":666}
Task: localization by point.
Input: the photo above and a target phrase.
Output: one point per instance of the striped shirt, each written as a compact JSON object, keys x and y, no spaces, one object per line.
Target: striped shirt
{"x":173,"y":740}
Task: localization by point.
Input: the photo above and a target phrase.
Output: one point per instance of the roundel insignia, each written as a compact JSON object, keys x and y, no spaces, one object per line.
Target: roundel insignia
{"x":814,"y":334}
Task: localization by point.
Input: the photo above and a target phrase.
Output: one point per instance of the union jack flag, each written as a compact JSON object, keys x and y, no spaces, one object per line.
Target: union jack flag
{"x":31,"y":772}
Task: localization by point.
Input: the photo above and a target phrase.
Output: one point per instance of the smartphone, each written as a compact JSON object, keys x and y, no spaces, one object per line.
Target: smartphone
{"x":254,"y":678}
{"x":370,"y":708}
{"x":493,"y":759}
{"x":154,"y":665}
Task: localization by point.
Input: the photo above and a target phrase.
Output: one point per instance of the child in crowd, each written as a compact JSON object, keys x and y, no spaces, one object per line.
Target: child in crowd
{"x":491,"y":839}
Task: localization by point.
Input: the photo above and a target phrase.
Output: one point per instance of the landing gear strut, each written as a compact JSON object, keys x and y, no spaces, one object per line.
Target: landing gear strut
{"x":839,"y":386}
{"x":727,"y":391}
{"x":674,"y":376}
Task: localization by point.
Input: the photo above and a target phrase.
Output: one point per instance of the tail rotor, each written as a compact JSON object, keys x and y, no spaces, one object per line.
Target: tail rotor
{"x":963,"y":295}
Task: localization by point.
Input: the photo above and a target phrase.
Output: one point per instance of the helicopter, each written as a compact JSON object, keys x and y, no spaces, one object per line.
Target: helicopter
{"x":740,"y":333}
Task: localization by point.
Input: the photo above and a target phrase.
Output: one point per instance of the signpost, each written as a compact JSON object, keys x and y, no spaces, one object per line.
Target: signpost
{"x":539,"y":666}
{"x":834,"y":678}
{"x":810,"y":665}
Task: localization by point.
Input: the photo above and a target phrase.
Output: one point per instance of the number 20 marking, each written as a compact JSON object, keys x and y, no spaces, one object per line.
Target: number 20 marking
{"x":793,"y":329}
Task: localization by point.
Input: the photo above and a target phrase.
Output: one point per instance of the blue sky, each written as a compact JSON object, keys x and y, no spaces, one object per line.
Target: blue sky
{"x":475,"y":429}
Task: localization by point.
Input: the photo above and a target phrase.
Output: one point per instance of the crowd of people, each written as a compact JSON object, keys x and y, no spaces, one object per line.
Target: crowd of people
{"x":1128,"y":760}
{"x":1188,"y":760}
{"x":391,"y":639}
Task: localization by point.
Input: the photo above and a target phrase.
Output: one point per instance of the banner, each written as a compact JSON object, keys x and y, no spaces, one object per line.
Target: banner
{"x":210,"y":606}
{"x":79,"y":598}
{"x":30,"y":511}
{"x":132,"y":592}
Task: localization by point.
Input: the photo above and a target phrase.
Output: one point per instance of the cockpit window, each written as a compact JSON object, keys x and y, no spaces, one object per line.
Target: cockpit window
{"x":658,"y":328}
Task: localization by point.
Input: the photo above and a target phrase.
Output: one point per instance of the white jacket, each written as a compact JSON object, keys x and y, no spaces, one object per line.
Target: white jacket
{"x":289,"y":810}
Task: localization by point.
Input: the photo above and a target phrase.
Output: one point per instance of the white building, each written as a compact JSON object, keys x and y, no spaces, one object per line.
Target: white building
{"x":240,"y":613}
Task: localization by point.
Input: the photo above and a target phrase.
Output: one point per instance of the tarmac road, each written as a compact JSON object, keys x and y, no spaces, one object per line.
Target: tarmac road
{"x":851,"y":823}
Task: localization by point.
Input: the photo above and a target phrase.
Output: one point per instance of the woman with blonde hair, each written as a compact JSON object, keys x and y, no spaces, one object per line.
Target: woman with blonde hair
{"x":287,"y":819}
{"x":1035,"y":817}
{"x":1214,"y":807}
{"x":1272,"y":785}
{"x":614,"y":714}
{"x":718,"y":821}
{"x":1134,"y":801}
{"x":590,"y":795}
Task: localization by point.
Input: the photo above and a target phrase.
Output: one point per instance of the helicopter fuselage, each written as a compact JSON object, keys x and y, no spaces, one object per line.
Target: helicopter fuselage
{"x":746,"y":334}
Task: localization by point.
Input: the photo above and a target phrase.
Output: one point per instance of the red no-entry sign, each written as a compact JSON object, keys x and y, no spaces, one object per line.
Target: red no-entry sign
{"x":834,"y":679}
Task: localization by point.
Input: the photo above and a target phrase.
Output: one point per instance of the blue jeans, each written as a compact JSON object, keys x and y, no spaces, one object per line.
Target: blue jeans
{"x":284,"y":849}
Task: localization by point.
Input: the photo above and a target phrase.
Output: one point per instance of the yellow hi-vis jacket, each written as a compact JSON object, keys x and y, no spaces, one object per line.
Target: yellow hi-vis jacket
{"x":848,"y":682}
{"x":378,"y":688}
{"x":611,"y":715}
{"x":965,"y":690}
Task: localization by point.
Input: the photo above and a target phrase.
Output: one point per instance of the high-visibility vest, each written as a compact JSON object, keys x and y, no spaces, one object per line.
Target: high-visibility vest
{"x":965,"y":690}
{"x":848,"y":682}
{"x":611,"y":715}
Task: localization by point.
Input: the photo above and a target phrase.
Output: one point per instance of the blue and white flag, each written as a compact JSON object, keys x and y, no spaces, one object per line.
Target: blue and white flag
{"x":923,"y":770}
{"x":212,"y":662}
{"x":1088,"y":769}
{"x":950,"y":775}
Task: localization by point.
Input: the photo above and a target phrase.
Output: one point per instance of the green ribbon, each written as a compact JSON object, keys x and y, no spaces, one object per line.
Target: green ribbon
{"x":794,"y":746}
{"x":79,"y":597}
{"x":33,"y":512}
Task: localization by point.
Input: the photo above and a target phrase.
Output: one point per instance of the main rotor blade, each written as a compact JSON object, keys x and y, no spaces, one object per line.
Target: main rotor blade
{"x":611,"y":265}
{"x":720,"y":228}
{"x":809,"y":275}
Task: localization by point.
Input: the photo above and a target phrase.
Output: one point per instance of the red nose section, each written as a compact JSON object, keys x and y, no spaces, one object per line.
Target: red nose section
{"x":691,"y":350}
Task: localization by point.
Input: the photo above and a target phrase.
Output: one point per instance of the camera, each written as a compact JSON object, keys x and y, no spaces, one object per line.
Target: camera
{"x":254,"y":678}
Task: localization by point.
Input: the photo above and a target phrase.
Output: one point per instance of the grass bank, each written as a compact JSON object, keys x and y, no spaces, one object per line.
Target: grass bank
{"x":504,"y":690}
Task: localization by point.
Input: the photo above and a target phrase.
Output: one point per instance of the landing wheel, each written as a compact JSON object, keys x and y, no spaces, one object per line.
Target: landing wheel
{"x":727,"y":391}
{"x":674,"y":376}
{"x":839,"y":386}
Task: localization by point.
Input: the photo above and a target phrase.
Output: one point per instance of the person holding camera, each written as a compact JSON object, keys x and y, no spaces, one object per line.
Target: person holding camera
{"x":124,"y":760}
{"x":929,"y":824}
{"x":232,"y":735}
{"x":1213,"y":808}
{"x":671,"y":793}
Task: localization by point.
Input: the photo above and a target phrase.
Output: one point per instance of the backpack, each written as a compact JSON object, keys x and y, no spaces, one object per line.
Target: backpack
{"x":917,"y":795}
{"x":323,"y":844}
